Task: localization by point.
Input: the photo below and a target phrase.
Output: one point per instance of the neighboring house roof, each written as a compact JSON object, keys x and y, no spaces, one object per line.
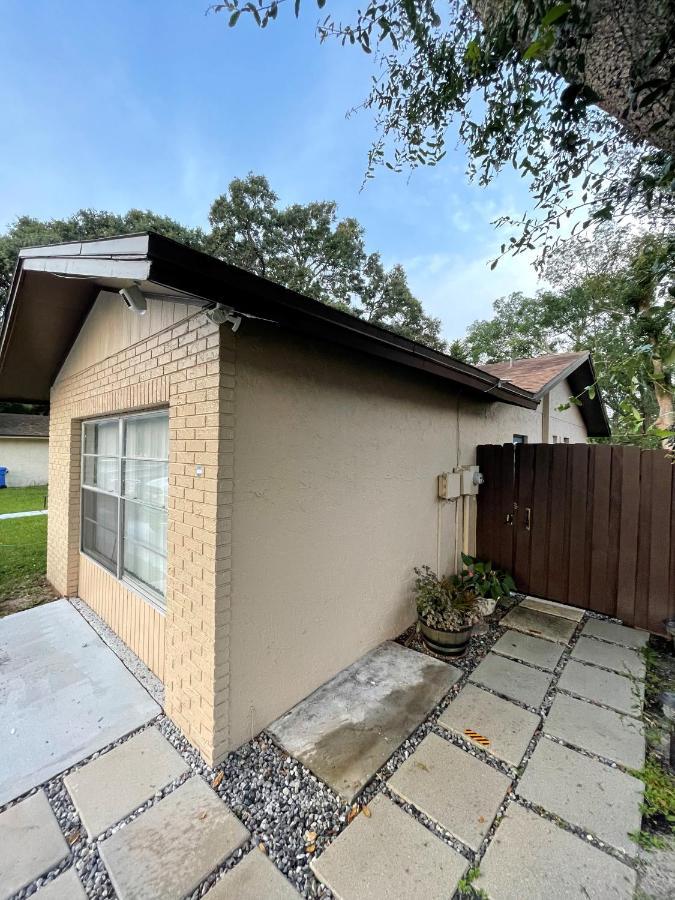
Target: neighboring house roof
{"x":20,"y":425}
{"x":540,"y":374}
{"x":55,"y":287}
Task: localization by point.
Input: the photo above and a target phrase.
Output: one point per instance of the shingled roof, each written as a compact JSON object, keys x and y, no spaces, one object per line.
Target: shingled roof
{"x":537,"y":374}
{"x":20,"y":425}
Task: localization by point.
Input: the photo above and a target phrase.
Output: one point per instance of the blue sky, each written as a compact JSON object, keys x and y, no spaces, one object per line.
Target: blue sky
{"x":154,"y":104}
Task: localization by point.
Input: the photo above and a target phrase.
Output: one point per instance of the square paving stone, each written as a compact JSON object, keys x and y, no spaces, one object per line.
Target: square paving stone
{"x":31,"y":843}
{"x":111,"y":787}
{"x":530,"y":858}
{"x":254,"y":878}
{"x":65,"y":887}
{"x":457,"y":791}
{"x":611,"y":656}
{"x":573,"y":613}
{"x":616,"y":634}
{"x":622,"y":694}
{"x":517,"y":645}
{"x":584,"y":792}
{"x":389,"y":856}
{"x":508,"y":727}
{"x":601,"y":731}
{"x":168,"y":850}
{"x":512,"y":679}
{"x":350,"y":726}
{"x":532,"y":621}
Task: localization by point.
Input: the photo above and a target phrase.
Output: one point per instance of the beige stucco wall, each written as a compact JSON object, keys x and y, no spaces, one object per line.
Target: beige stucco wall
{"x":335,"y":502}
{"x":27,"y":460}
{"x":187,"y":366}
{"x":566,"y":423}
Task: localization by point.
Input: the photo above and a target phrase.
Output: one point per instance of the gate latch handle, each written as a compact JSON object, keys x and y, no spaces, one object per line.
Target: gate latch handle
{"x":509,"y":518}
{"x":528,"y":518}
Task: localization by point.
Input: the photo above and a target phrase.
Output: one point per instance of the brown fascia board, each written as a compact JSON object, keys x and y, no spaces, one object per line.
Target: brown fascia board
{"x":580,"y":373}
{"x":150,"y":257}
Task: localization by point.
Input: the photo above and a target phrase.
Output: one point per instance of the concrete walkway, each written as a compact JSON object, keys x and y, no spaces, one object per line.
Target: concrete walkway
{"x":524,"y":775}
{"x":23,"y":515}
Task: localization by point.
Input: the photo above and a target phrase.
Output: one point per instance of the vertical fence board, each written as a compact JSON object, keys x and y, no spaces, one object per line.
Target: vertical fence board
{"x":506,"y":473}
{"x":524,"y":493}
{"x":628,"y":533}
{"x":661,"y":542}
{"x":578,"y":508}
{"x":644,"y":539}
{"x":540,"y":520}
{"x":558,"y":544}
{"x":598,"y":594}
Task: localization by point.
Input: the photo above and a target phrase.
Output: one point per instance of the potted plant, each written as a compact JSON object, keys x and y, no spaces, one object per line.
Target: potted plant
{"x":446,"y":610}
{"x":491,"y":585}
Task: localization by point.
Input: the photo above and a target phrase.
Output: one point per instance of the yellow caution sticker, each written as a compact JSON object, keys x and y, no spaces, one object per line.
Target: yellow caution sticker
{"x":478,"y":738}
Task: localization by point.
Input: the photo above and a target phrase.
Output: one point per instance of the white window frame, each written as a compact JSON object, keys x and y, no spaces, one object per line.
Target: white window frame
{"x":153,"y":597}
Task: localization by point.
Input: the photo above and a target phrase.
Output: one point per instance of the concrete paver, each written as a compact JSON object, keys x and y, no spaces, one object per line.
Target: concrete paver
{"x":64,"y":887}
{"x":254,"y":878}
{"x":31,"y":843}
{"x":349,"y":727}
{"x":573,"y":613}
{"x":168,"y":850}
{"x":530,"y":858}
{"x":389,"y":856}
{"x":601,"y":731}
{"x":619,"y":659}
{"x":584,"y":792}
{"x":91,"y":700}
{"x":507,"y":727}
{"x":540,"y":624}
{"x":112,"y":786}
{"x":622,"y":694}
{"x":512,"y":679}
{"x":529,"y":649}
{"x":453,"y":788}
{"x":616,"y":634}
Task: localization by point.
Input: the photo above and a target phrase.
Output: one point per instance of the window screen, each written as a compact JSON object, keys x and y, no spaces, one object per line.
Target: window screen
{"x":125,"y":474}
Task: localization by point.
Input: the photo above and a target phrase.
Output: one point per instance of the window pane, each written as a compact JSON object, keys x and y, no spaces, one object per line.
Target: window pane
{"x":146,"y":526}
{"x":146,"y":481}
{"x":101,"y":472}
{"x":102,"y":437}
{"x":148,"y":437}
{"x":99,"y":527}
{"x":145,"y":545}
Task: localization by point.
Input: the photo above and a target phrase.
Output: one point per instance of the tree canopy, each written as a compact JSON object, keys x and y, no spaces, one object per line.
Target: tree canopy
{"x":613,"y":297}
{"x":305,"y":247}
{"x":578,"y":96}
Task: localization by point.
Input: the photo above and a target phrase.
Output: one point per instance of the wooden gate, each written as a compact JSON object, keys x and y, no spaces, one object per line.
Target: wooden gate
{"x":587,"y":525}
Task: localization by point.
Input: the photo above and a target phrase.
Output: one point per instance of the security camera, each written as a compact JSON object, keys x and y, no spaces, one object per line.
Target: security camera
{"x":134,"y":299}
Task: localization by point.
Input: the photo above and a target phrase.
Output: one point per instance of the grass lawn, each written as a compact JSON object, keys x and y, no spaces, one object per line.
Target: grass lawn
{"x":22,"y":499}
{"x":23,"y":557}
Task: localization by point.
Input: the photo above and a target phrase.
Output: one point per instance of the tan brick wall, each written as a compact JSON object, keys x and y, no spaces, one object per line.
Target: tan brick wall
{"x":188,"y":367}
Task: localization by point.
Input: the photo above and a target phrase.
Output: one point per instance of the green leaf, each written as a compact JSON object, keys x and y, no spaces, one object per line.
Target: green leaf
{"x":234,"y":18}
{"x":555,"y":12}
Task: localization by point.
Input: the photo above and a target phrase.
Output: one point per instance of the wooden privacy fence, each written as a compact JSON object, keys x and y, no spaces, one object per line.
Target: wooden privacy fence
{"x":587,"y":525}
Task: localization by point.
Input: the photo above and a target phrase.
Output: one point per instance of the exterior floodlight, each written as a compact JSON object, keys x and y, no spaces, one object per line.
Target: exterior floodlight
{"x":134,"y":299}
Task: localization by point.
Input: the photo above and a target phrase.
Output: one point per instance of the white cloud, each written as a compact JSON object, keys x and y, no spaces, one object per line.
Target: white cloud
{"x":459,"y":288}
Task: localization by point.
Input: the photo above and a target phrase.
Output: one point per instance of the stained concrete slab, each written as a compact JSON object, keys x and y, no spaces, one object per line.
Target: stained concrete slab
{"x":348,"y":728}
{"x":529,"y":649}
{"x":512,"y":679}
{"x":457,"y":791}
{"x":389,"y":856}
{"x":167,"y":851}
{"x":530,"y":858}
{"x":601,"y":731}
{"x":610,"y":656}
{"x":584,"y":792}
{"x":31,"y":843}
{"x":508,"y":727}
{"x":622,"y":694}
{"x":254,"y":878}
{"x":65,"y":887}
{"x":616,"y":634}
{"x":540,"y":624}
{"x":63,"y":695}
{"x":551,"y":608}
{"x":112,"y":786}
